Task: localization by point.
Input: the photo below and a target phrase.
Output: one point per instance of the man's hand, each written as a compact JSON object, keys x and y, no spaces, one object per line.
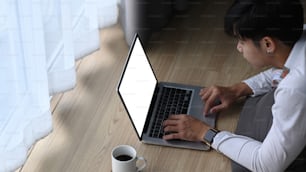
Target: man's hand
{"x":212,"y":94}
{"x":184,"y":127}
{"x":226,"y":96}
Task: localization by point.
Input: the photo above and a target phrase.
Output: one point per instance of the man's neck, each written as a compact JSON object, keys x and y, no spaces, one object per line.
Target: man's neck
{"x":281,"y":55}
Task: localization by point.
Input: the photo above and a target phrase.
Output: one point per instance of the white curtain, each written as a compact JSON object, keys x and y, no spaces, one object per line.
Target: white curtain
{"x":39,"y":43}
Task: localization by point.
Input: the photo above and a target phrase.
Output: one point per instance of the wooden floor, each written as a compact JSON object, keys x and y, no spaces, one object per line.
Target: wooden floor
{"x":191,"y":49}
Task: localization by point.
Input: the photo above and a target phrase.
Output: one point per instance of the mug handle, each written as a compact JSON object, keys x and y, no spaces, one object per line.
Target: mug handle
{"x":143,"y":165}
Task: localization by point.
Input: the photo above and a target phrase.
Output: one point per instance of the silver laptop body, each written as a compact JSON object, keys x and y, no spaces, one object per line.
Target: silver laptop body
{"x":142,"y":94}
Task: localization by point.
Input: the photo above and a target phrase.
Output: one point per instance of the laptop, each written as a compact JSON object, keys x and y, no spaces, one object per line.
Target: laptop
{"x":149,"y":102}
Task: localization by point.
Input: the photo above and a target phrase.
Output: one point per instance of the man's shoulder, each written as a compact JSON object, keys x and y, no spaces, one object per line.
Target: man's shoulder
{"x":294,"y":81}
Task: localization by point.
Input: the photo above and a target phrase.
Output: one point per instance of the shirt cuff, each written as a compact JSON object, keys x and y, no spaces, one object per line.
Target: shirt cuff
{"x":257,"y":88}
{"x":236,"y":147}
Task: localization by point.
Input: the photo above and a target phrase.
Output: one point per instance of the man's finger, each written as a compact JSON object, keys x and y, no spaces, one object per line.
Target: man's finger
{"x":208,"y":104}
{"x":171,"y":129}
{"x":169,"y":122}
{"x":173,"y":120}
{"x":218,"y":108}
{"x":171,"y":136}
{"x":176,"y":116}
{"x":205,"y":96}
{"x":203,"y":91}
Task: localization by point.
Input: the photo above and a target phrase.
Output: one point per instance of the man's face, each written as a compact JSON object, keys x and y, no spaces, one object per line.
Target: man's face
{"x":255,"y":55}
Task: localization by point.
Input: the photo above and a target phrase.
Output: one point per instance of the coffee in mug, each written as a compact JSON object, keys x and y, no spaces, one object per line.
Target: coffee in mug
{"x":124,"y":158}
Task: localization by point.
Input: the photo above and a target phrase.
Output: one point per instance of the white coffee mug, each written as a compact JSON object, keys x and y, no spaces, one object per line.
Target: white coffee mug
{"x":124,"y":158}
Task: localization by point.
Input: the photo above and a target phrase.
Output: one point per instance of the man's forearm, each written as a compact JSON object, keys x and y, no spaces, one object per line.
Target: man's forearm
{"x":241,"y":89}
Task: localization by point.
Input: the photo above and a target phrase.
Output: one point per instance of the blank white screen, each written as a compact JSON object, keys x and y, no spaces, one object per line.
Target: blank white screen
{"x":137,"y":86}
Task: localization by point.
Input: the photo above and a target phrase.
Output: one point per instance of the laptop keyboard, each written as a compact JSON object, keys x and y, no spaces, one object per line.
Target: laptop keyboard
{"x":174,"y":101}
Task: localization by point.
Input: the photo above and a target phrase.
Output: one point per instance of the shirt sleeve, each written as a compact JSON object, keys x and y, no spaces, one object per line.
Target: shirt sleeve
{"x":285,"y":140}
{"x":260,"y":83}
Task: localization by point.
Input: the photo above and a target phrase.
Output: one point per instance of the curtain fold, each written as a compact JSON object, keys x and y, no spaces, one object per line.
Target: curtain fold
{"x":40,"y":40}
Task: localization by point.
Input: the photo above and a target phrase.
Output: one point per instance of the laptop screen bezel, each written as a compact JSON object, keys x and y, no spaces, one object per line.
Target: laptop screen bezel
{"x":139,"y":135}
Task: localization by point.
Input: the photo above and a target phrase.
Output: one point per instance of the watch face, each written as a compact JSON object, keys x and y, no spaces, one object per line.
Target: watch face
{"x":209,"y":136}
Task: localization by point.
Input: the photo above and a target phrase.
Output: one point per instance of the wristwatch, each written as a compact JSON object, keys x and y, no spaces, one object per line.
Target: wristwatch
{"x":209,"y":136}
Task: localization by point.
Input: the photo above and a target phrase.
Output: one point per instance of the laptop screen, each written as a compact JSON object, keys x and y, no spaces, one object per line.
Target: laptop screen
{"x":137,"y":85}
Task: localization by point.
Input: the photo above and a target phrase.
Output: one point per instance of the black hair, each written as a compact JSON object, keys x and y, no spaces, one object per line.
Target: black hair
{"x":255,"y":19}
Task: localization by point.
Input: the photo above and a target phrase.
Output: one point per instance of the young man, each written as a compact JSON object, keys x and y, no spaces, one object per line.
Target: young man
{"x":271,"y":131}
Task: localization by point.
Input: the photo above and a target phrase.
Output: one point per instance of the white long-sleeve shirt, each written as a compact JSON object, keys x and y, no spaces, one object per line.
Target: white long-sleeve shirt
{"x":287,"y":136}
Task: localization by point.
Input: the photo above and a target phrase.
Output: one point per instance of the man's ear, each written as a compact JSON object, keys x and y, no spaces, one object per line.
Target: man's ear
{"x":268,"y":44}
